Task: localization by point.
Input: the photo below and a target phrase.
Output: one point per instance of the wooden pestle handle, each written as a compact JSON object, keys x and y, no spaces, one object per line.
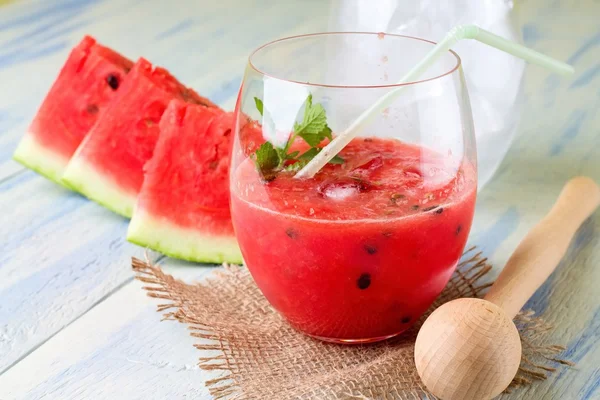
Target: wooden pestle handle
{"x":543,"y":247}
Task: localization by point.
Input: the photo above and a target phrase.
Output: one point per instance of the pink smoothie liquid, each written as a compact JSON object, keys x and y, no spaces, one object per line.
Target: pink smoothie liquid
{"x":359,"y":252}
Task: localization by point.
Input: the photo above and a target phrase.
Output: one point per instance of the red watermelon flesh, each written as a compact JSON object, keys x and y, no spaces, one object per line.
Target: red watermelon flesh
{"x":250,"y":136}
{"x":90,"y":78}
{"x":108,"y":165}
{"x":183,"y":207}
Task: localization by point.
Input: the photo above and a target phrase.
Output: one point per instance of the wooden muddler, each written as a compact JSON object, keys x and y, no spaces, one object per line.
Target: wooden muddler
{"x":469,"y":349}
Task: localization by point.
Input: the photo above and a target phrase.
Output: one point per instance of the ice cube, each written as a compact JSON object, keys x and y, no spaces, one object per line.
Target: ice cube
{"x":342,"y":188}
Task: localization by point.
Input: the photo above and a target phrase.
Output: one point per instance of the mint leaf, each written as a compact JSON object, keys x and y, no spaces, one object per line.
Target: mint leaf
{"x":282,"y":154}
{"x":259,"y":105}
{"x":337,"y":160}
{"x":267,"y":160}
{"x":327,"y":132}
{"x":305,"y":159}
{"x":313,"y":128}
{"x":309,"y":154}
{"x":297,"y":166}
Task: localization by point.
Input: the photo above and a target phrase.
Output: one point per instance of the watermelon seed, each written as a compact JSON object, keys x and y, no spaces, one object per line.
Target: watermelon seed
{"x":458,"y":229}
{"x":370,"y":249}
{"x":213,"y":164}
{"x":431,"y":208}
{"x":439,"y":210}
{"x":291,"y":233}
{"x":364,"y":281}
{"x":149,"y":122}
{"x":112,"y":81}
{"x":415,"y":207}
{"x":387,"y":234}
{"x":405,"y":320}
{"x":92,"y":108}
{"x":394,"y":198}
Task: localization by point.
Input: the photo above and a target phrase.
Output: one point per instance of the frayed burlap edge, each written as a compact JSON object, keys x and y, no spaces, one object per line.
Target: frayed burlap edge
{"x":231,"y":359}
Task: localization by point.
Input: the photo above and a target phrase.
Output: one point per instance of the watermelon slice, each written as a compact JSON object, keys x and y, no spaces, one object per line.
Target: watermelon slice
{"x":183,"y":207}
{"x":88,"y":81}
{"x":108,"y":165}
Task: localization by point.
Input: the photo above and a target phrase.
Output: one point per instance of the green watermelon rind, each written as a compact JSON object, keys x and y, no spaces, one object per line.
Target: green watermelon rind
{"x":182,"y":243}
{"x":31,"y":154}
{"x":82,"y":177}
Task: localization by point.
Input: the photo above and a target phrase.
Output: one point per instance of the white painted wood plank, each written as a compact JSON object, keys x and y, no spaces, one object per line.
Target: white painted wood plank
{"x":59,"y":255}
{"x":118,"y":350}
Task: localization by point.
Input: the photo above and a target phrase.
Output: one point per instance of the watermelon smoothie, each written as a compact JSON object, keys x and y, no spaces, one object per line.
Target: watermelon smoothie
{"x":359,"y":252}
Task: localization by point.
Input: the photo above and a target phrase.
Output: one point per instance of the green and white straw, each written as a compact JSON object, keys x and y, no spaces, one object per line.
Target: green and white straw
{"x":456,"y":34}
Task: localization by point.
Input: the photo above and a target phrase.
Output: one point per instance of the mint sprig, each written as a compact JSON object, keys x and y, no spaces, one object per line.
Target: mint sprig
{"x":313,"y":130}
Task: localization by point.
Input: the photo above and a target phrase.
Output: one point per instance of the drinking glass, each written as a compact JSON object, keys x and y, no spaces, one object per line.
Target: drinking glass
{"x":358,"y":252}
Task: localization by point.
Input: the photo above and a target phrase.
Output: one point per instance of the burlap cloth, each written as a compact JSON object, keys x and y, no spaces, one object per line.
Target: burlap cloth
{"x":261,"y":357}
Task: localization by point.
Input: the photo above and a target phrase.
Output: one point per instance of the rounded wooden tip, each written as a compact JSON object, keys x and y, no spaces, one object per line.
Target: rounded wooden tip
{"x":585,"y":188}
{"x":467,"y":349}
{"x":586,"y":183}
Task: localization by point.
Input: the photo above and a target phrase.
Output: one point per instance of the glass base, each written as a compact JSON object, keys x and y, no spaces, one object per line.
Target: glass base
{"x":356,"y":341}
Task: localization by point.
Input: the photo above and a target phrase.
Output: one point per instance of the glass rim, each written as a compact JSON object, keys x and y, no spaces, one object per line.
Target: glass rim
{"x":325,"y":85}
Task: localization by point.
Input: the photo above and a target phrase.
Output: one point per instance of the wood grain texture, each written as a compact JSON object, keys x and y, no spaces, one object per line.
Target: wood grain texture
{"x":115,"y":351}
{"x":61,"y":255}
{"x":544,"y":246}
{"x":470,"y":349}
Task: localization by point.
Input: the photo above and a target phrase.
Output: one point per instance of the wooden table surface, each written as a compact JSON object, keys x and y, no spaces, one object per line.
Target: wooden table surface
{"x":73,"y":322}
